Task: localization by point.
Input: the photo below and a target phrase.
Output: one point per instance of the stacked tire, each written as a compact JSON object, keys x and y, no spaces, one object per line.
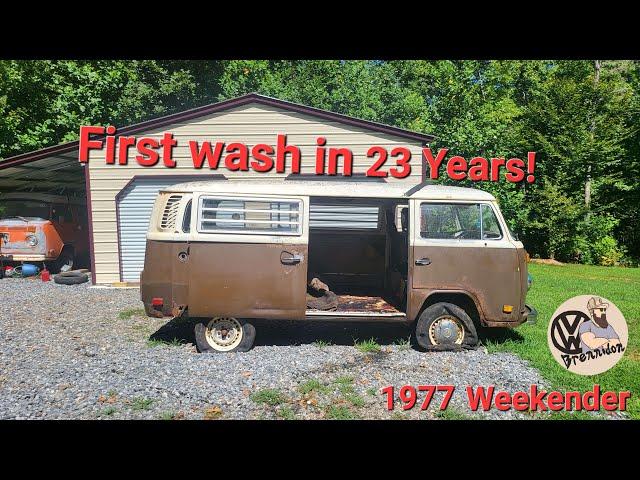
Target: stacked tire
{"x":71,"y":278}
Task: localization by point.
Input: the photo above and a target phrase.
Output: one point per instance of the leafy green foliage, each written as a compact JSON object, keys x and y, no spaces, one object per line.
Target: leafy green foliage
{"x":585,"y":132}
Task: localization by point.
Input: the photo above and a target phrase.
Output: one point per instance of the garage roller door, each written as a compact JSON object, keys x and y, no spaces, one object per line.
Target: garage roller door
{"x":135,"y":204}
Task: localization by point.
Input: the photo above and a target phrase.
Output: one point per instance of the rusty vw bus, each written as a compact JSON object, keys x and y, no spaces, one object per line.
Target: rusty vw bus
{"x":38,"y":227}
{"x":439,"y":258}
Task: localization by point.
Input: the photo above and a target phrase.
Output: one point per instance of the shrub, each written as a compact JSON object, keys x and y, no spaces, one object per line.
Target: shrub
{"x":596,"y":243}
{"x":607,"y":252}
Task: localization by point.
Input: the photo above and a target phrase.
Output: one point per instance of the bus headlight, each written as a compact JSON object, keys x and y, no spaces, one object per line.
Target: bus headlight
{"x":32,"y":240}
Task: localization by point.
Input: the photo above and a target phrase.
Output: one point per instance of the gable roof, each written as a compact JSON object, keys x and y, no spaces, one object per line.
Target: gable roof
{"x":220,"y":107}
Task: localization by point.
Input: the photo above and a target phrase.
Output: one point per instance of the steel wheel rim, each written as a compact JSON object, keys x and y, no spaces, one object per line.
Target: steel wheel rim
{"x":224,"y":333}
{"x":446,"y":330}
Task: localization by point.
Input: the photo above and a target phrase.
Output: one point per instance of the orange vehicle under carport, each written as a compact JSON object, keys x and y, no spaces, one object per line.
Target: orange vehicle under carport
{"x":43,"y":229}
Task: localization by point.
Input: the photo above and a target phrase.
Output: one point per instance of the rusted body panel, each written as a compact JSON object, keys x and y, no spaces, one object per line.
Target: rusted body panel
{"x":361,"y":303}
{"x":489,"y":276}
{"x":247,"y":280}
{"x":238,"y":280}
{"x":165,"y":276}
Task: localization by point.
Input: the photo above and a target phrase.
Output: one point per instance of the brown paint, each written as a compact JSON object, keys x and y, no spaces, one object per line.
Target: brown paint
{"x":489,"y":276}
{"x":165,"y":276}
{"x":218,"y":279}
{"x":248,"y":280}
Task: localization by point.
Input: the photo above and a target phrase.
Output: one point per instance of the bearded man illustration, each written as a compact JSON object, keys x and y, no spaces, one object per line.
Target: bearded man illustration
{"x":597,"y":332}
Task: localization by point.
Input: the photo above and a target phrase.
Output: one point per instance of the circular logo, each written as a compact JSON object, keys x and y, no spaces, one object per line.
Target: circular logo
{"x":587,"y":335}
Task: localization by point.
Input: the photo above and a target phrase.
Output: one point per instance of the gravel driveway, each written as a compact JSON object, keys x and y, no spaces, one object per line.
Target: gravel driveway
{"x":80,"y":352}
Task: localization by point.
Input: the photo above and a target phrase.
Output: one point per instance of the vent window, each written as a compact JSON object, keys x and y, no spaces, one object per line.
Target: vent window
{"x":186,"y":221}
{"x":170,"y":213}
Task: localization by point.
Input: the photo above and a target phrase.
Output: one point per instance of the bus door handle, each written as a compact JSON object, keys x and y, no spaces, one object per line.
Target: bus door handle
{"x":288,"y":258}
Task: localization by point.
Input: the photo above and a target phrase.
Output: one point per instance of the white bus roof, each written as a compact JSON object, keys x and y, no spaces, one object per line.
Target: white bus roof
{"x":315,"y":188}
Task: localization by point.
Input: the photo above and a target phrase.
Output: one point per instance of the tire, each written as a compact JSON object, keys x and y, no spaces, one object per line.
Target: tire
{"x":71,"y":278}
{"x":206,"y":333}
{"x":66,"y":257}
{"x":445,"y":327}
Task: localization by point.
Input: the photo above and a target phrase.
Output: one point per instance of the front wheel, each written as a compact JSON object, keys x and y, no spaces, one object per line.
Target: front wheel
{"x":445,"y":326}
{"x":224,"y":334}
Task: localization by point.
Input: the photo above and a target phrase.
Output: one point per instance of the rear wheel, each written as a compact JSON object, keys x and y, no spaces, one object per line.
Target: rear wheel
{"x":224,"y":334}
{"x":445,"y":326}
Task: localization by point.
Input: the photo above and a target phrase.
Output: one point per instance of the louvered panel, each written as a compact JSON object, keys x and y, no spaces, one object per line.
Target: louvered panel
{"x":168,"y":221}
{"x":344,"y":217}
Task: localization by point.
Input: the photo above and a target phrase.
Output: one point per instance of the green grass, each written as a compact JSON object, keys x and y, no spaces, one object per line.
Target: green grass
{"x":322,"y":343}
{"x":286,"y":413}
{"x":552,"y":285}
{"x":344,"y":380}
{"x":451,"y":414}
{"x":367,"y":346}
{"x":340,"y":412}
{"x":270,"y":396}
{"x":403,"y":344}
{"x":312,"y":385}
{"x":153,"y":342}
{"x":372,"y":392}
{"x":346,"y":388}
{"x":167,"y":416}
{"x":107,"y":412}
{"x":141,"y":403}
{"x":354,"y":399}
{"x":132,"y":312}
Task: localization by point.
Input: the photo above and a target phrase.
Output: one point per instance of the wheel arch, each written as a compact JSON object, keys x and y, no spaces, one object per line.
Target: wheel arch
{"x":462,"y":298}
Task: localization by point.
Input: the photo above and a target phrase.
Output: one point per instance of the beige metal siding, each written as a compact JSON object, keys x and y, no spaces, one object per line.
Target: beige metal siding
{"x":250,"y":124}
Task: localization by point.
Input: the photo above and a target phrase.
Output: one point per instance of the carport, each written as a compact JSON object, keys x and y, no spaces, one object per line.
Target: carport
{"x":52,"y":170}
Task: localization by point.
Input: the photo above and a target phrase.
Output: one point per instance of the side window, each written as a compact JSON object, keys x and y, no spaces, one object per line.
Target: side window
{"x":186,"y":221}
{"x":250,"y":216}
{"x":490,"y":227}
{"x":450,"y":221}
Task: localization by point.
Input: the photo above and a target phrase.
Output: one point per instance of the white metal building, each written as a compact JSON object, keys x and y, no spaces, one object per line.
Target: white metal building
{"x":120,"y":197}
